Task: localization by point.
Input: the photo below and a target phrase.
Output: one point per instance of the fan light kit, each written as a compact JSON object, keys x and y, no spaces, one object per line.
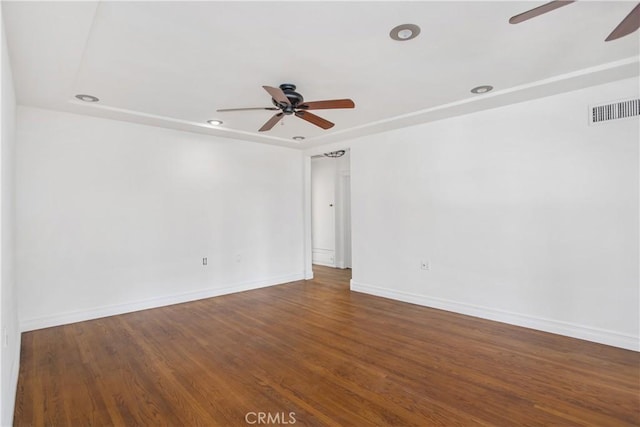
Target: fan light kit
{"x":87,"y":98}
{"x":335,"y":154}
{"x":627,"y":26}
{"x":214,"y":122}
{"x":482,"y":89}
{"x":289,"y":102}
{"x":404,"y":32}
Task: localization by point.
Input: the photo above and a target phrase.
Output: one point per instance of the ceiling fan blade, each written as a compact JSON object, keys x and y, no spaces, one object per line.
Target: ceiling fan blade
{"x":222,"y":110}
{"x":277,"y":94}
{"x":548,"y":7}
{"x":328,"y":104}
{"x":628,"y":25}
{"x":271,"y":122}
{"x":316,"y":120}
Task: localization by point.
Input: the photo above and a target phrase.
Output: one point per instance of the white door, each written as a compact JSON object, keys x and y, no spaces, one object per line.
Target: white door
{"x":323,"y":220}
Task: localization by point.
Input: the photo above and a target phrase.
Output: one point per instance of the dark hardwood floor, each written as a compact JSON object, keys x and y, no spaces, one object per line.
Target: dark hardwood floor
{"x":315,"y":353}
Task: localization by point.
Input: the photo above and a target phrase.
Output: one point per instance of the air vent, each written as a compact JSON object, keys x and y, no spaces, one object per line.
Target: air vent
{"x":616,"y":110}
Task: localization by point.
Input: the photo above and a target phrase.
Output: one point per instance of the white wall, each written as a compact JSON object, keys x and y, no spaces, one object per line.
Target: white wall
{"x":526,"y":214}
{"x":9,"y":335}
{"x":114,"y":216}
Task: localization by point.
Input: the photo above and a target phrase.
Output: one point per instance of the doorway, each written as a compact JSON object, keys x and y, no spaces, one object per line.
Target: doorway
{"x":331,"y":210}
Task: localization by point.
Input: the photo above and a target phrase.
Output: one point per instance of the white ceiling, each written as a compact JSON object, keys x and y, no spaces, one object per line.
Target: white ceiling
{"x":172,"y":64}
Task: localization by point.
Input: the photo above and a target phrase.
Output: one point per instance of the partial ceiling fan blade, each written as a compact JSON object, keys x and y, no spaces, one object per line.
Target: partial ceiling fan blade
{"x":628,"y":25}
{"x":327,"y":105}
{"x":277,"y":94}
{"x":247,"y":109}
{"x":548,"y":7}
{"x":316,"y":120}
{"x":271,"y":122}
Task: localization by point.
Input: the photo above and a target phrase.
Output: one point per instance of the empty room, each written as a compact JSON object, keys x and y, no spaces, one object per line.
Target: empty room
{"x":320,"y":213}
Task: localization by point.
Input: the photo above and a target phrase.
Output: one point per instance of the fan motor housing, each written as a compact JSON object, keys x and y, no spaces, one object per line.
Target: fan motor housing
{"x":294,"y":98}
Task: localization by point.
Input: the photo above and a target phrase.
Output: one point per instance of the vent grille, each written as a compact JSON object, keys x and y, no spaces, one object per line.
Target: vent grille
{"x":616,"y":110}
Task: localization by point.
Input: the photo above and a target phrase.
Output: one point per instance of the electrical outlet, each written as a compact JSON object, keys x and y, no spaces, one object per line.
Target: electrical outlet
{"x":204,"y":261}
{"x":238,"y":258}
{"x":424,"y":265}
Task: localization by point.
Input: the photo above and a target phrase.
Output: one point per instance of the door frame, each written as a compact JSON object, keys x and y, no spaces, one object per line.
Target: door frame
{"x":306,"y":173}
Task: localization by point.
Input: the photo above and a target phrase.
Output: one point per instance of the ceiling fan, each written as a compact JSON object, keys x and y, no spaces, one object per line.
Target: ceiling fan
{"x":288,"y":101}
{"x":628,"y":25}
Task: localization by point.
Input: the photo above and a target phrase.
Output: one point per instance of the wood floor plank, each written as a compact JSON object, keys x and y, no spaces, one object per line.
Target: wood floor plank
{"x":328,"y":355}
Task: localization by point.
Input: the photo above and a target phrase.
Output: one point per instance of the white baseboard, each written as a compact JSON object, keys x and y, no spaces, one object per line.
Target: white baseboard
{"x":323,"y":257}
{"x":573,"y":330}
{"x":115,"y":309}
{"x":326,"y":264}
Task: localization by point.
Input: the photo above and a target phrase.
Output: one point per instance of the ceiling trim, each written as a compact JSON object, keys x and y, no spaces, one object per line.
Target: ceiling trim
{"x":613,"y":71}
{"x":593,"y":76}
{"x":97,"y":110}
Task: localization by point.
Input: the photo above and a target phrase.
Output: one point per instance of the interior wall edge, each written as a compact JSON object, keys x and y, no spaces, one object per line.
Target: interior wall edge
{"x":9,"y":328}
{"x":568,"y":329}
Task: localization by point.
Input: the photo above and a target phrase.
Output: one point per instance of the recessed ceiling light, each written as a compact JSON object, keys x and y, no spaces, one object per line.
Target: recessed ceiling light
{"x":405,"y":32}
{"x":214,"y":122}
{"x":87,"y":98}
{"x":482,"y":89}
{"x":298,"y":138}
